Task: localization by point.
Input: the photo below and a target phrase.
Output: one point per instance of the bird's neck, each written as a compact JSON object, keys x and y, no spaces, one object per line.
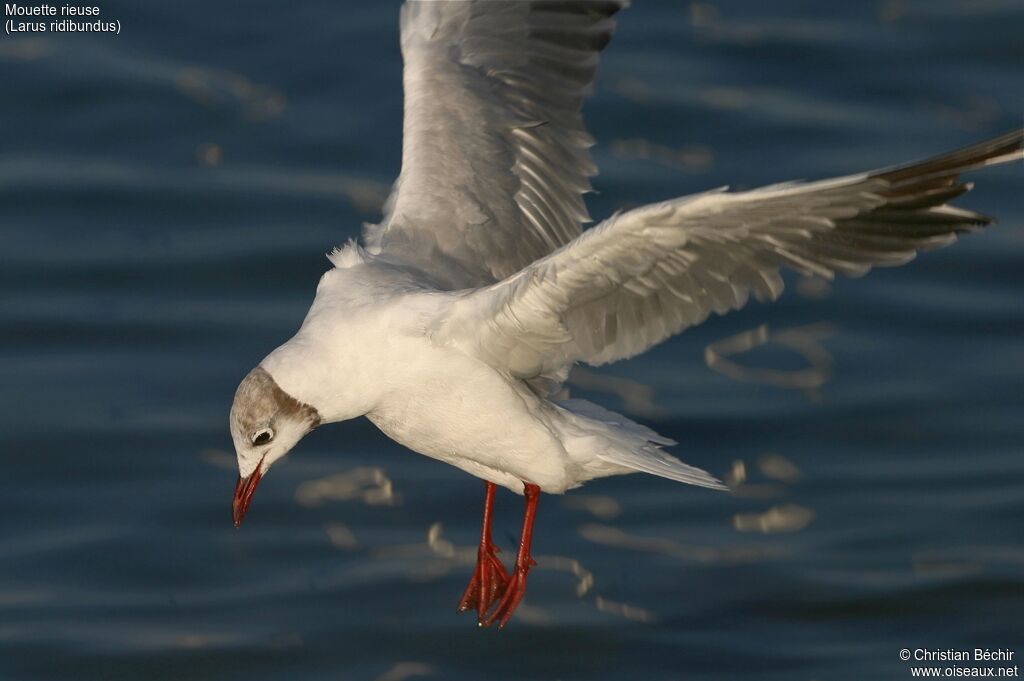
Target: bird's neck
{"x":328,"y":382}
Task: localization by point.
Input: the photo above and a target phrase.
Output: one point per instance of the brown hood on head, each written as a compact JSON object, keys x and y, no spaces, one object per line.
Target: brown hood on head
{"x":260,"y":402}
{"x":259,"y":395}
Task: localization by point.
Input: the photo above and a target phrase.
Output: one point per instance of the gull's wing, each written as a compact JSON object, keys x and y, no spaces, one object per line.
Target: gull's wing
{"x":641,"y":276}
{"x":494,"y":156}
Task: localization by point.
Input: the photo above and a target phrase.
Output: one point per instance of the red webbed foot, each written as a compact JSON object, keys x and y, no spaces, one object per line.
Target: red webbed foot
{"x":488,"y":584}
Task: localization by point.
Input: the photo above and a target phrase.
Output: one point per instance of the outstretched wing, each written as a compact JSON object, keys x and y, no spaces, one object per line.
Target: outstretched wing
{"x":494,"y":156}
{"x":641,"y":276}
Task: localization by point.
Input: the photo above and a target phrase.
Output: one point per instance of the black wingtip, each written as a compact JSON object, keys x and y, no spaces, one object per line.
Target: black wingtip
{"x":1005,"y":148}
{"x":604,"y":8}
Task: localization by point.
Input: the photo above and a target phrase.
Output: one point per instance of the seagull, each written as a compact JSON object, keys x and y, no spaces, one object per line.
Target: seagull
{"x":454,"y":323}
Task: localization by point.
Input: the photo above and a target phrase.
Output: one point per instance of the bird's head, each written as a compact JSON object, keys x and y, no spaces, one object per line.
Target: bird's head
{"x":266,"y":422}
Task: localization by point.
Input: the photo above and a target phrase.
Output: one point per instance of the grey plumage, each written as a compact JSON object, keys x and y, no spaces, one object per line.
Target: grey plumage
{"x":639,"y":277}
{"x":495,"y":155}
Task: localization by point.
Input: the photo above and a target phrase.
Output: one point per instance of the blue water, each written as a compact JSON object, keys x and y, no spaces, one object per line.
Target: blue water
{"x":166,"y":198}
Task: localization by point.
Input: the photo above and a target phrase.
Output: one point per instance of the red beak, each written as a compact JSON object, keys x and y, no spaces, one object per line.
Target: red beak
{"x":244,"y":489}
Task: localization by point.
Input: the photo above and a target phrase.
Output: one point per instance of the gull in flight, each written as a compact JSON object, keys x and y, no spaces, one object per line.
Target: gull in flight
{"x":453,"y":325}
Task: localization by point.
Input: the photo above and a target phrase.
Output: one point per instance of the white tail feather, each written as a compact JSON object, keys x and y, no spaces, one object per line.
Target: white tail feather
{"x":634,"y":446}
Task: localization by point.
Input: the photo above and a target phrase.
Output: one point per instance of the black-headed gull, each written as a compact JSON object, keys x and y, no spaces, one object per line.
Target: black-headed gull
{"x":454,"y":325}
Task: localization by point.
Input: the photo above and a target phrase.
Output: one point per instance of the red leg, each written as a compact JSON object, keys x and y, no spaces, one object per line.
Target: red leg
{"x":516,"y":588}
{"x":489,"y":578}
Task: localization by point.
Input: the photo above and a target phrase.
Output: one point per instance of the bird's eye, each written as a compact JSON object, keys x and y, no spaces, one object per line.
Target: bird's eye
{"x":262,"y":437}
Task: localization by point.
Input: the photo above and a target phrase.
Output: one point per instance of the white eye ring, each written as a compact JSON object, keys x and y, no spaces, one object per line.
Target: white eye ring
{"x":262,"y":436}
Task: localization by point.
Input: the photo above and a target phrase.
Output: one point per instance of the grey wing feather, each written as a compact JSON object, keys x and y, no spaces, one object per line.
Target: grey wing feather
{"x":641,"y":276}
{"x":495,"y":155}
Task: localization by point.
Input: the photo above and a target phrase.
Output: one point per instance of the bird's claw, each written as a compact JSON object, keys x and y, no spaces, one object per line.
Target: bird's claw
{"x":514,"y":592}
{"x":488,"y":584}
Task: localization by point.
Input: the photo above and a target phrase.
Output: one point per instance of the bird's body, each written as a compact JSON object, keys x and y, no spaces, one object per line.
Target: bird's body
{"x":369,"y":345}
{"x":455,"y":324}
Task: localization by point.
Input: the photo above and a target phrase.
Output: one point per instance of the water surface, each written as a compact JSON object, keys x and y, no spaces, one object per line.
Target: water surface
{"x":166,"y":198}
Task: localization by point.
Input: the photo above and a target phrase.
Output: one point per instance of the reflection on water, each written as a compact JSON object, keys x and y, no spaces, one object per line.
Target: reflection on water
{"x":602,"y":507}
{"x":209,"y":154}
{"x":216,"y":89}
{"x":369,"y":484}
{"x":694,"y":157}
{"x":625,"y":610}
{"x":407,"y":670}
{"x":805,"y":340}
{"x":342,"y":537}
{"x":618,"y":538}
{"x":735,"y":554}
{"x":785,"y":518}
{"x":778,"y":467}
